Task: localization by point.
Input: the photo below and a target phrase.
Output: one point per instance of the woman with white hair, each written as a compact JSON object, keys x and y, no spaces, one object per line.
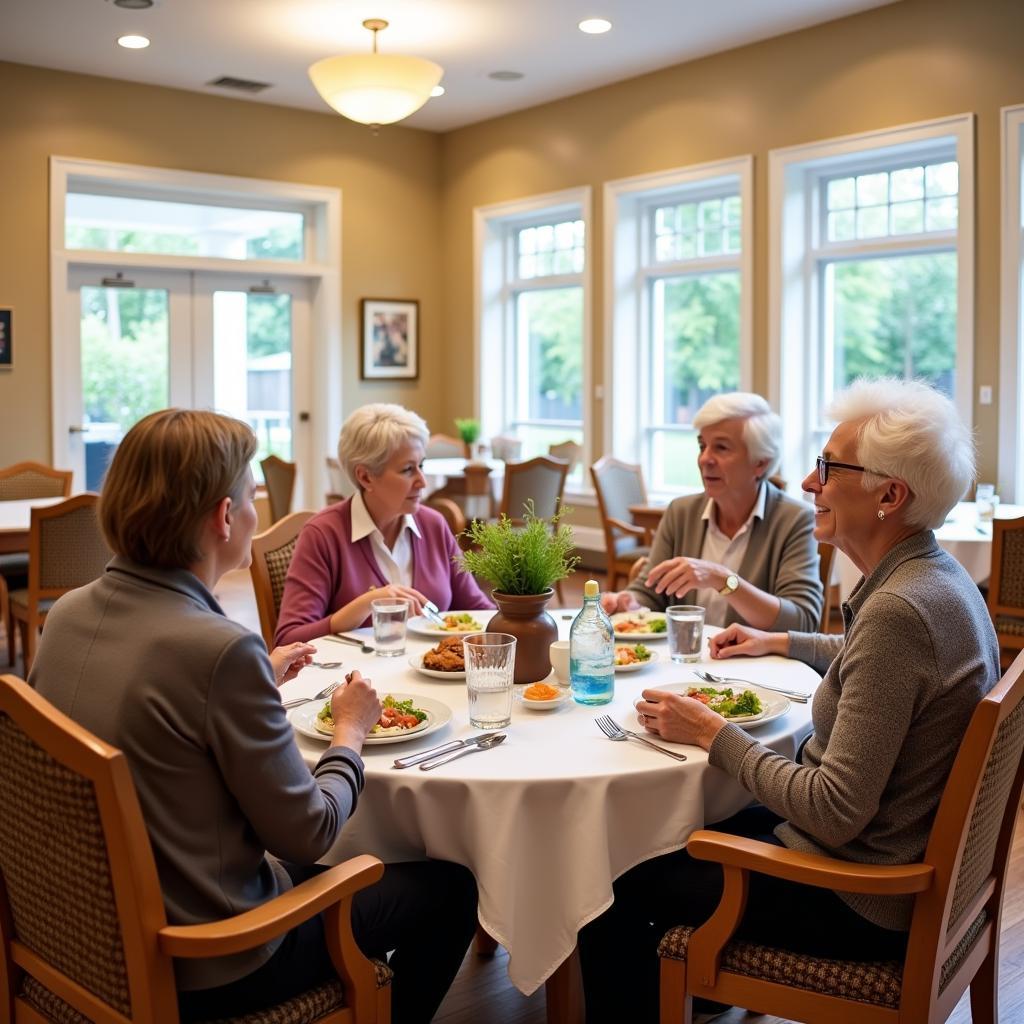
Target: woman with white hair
{"x":742,"y":549}
{"x":379,"y":543}
{"x":899,"y":688}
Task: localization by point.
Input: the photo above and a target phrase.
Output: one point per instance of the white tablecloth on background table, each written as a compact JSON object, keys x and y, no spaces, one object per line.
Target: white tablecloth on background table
{"x":963,"y":535}
{"x":16,"y":519}
{"x":550,"y":818}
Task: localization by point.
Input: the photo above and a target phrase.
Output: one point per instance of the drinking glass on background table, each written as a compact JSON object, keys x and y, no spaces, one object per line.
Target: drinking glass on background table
{"x":490,"y":661}
{"x":986,"y":501}
{"x":685,"y":631}
{"x":389,"y":616}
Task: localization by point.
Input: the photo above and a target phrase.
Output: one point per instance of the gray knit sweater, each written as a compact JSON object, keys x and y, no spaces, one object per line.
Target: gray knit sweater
{"x":919,"y":653}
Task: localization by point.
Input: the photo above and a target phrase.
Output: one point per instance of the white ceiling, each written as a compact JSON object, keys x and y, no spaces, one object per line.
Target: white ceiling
{"x":194,"y":41}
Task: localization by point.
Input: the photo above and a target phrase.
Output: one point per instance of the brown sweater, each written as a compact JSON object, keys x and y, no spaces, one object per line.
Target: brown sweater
{"x":918,"y":655}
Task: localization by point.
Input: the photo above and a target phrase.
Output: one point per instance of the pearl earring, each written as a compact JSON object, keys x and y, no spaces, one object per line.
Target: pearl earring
{"x":881,"y":514}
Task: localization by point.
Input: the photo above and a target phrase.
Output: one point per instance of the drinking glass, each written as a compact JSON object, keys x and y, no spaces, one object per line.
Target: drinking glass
{"x":685,"y":631}
{"x":490,"y":661}
{"x":985,"y":501}
{"x":389,"y":616}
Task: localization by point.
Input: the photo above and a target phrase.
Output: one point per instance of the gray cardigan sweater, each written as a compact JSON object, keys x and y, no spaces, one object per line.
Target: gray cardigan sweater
{"x":781,"y":557}
{"x":146,"y":660}
{"x":918,"y":655}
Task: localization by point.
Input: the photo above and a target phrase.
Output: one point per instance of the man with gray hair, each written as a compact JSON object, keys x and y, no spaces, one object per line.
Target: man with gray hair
{"x":742,"y":549}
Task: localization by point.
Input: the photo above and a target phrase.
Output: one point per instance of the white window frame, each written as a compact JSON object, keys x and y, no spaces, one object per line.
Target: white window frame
{"x":494,"y":342}
{"x":321,"y":267}
{"x":1011,"y":355}
{"x":627,"y":202}
{"x":793,"y":313}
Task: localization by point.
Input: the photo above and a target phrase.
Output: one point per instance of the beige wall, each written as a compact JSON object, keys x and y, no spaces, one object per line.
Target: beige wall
{"x":390,"y":211}
{"x":907,"y":62}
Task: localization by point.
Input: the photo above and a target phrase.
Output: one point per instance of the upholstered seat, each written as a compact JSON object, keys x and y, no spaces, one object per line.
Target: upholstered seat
{"x":271,"y":555}
{"x":1006,"y":584}
{"x":617,"y":486}
{"x":279,"y":477}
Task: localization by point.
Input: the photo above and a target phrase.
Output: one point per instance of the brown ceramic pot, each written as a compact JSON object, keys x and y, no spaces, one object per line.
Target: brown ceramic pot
{"x":524,"y":617}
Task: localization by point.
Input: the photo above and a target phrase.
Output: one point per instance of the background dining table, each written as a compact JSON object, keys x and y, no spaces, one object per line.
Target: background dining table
{"x":550,"y":818}
{"x":16,"y":519}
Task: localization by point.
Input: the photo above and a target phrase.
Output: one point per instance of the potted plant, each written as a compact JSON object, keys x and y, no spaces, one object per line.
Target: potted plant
{"x":522,"y":564}
{"x":469,"y":431}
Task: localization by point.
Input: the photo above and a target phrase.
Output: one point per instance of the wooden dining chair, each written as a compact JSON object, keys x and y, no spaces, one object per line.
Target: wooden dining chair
{"x":442,"y":446}
{"x":1006,"y":584}
{"x":957,"y":888}
{"x":618,"y":485}
{"x":22,"y":482}
{"x":83,"y":931}
{"x":279,"y":477}
{"x":506,"y":447}
{"x":66,"y":550}
{"x":826,"y":555}
{"x":570,"y":451}
{"x":272,"y":552}
{"x":540,"y":480}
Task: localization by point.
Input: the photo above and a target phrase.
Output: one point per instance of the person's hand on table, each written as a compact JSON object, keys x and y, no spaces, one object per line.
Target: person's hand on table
{"x":738,"y":640}
{"x":613,"y":601}
{"x":678,"y":718}
{"x":676,"y":576}
{"x":355,"y":710}
{"x":358,"y":610}
{"x":289,"y":659}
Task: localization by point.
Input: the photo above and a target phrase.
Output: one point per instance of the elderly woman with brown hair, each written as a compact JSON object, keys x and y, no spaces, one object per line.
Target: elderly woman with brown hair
{"x":918,"y":654}
{"x":145,"y":658}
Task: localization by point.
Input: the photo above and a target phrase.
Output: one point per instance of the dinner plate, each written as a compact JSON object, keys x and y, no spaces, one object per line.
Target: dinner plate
{"x":544,"y":705}
{"x":633,"y":637}
{"x":303,"y":719}
{"x":635,"y":666}
{"x":422,"y":626}
{"x":416,"y":661}
{"x":774,"y":705}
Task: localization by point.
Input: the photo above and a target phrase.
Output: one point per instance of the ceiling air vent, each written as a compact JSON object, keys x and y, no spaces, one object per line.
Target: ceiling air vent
{"x":239,"y":84}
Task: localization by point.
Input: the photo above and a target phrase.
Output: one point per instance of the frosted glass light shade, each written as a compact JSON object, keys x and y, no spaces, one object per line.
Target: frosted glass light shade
{"x":375,"y":88}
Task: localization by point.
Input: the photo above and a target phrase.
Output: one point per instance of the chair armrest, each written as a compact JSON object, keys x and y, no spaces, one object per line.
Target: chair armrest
{"x":276,"y":916}
{"x":810,"y":868}
{"x":631,"y":528}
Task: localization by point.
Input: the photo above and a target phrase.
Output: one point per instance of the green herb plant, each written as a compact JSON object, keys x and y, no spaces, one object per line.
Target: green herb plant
{"x":521,"y":560}
{"x":469,"y":429}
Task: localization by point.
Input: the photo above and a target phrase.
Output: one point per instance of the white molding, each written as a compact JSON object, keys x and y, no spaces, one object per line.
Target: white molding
{"x":1011,"y":327}
{"x":322,"y":209}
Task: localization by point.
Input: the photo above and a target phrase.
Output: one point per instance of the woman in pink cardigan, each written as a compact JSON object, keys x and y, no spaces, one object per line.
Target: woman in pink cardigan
{"x":379,"y":543}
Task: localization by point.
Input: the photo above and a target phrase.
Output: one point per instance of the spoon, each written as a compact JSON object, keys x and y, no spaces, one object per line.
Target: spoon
{"x":327,"y":664}
{"x":485,"y":743}
{"x":339,"y":639}
{"x":710,"y":677}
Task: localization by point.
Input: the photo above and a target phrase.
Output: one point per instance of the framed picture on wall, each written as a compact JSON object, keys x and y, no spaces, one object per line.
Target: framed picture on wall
{"x":6,"y":339}
{"x":391,"y":339}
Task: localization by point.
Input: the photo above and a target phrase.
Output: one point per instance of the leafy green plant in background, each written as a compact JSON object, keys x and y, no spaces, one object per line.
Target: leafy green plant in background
{"x":522,"y":560}
{"x":469,"y":429}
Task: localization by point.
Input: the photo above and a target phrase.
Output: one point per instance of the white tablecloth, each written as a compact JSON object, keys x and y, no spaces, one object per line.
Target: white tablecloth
{"x":963,"y":535}
{"x":550,"y":818}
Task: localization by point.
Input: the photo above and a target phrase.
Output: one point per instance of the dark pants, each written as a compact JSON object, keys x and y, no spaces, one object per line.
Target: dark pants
{"x":425,"y":911}
{"x":618,"y":950}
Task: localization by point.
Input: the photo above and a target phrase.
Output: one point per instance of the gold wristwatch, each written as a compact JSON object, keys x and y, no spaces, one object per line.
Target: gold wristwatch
{"x":732,"y":583}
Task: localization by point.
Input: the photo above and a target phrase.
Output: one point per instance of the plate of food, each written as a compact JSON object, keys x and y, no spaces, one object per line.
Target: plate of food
{"x":444,"y":661}
{"x":404,"y":716}
{"x":742,"y":705}
{"x":543,"y":696}
{"x":639,"y":625}
{"x":455,"y":623}
{"x":633,"y":657}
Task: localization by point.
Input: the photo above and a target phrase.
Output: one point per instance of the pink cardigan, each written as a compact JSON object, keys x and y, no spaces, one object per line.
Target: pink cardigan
{"x":327,"y":571}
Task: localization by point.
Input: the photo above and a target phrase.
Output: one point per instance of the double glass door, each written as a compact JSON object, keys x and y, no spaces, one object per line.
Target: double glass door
{"x":140,"y":339}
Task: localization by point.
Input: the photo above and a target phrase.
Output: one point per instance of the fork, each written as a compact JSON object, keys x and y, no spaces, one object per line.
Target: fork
{"x":614,"y":731}
{"x":325,"y":692}
{"x":432,"y":612}
{"x":710,"y":677}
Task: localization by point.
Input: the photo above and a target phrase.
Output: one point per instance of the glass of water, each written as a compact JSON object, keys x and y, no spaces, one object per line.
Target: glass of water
{"x":985,"y":501}
{"x":389,"y":615}
{"x":490,"y":661}
{"x":685,"y":631}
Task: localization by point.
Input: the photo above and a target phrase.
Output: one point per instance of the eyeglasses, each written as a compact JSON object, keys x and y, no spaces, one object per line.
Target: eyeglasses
{"x":825,"y":464}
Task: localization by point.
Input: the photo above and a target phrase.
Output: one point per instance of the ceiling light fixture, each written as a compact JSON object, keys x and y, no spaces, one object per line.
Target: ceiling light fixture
{"x":375,"y":88}
{"x":438,"y":90}
{"x":133,"y":42}
{"x":134,"y":5}
{"x":595,"y":26}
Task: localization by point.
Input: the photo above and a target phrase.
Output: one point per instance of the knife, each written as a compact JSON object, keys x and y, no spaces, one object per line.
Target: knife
{"x":444,"y":748}
{"x":491,"y":739}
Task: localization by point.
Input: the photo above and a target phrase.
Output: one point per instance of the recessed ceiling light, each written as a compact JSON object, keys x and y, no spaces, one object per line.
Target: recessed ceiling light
{"x":133,"y":42}
{"x":438,"y":90}
{"x":595,"y":26}
{"x":505,"y":76}
{"x":134,"y":5}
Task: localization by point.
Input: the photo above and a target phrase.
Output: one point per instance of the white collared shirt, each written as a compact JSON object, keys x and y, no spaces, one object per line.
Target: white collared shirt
{"x":394,"y":563}
{"x":727,"y":551}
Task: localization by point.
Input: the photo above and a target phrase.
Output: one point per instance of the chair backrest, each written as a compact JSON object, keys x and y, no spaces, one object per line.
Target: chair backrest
{"x":26,"y":480}
{"x":506,"y":447}
{"x":279,"y":476}
{"x":969,"y":848}
{"x":441,"y":446}
{"x":570,"y":451}
{"x":540,"y":480}
{"x":826,"y":555}
{"x":66,"y":547}
{"x":1006,"y":578}
{"x":80,"y":901}
{"x":617,"y":485}
{"x":337,"y":478}
{"x":271,"y":555}
{"x":453,"y":515}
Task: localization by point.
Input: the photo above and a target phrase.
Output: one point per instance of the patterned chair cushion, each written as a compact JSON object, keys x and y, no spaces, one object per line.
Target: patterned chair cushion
{"x":1009,"y":624}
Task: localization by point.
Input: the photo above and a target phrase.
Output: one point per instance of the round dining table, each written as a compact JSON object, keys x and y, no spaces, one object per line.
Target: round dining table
{"x":16,"y":519}
{"x":548,"y":819}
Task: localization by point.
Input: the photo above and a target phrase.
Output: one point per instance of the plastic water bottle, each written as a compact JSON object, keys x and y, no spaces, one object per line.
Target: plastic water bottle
{"x":592,"y":651}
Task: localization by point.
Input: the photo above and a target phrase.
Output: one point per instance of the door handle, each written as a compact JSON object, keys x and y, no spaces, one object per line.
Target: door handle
{"x":76,"y":430}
